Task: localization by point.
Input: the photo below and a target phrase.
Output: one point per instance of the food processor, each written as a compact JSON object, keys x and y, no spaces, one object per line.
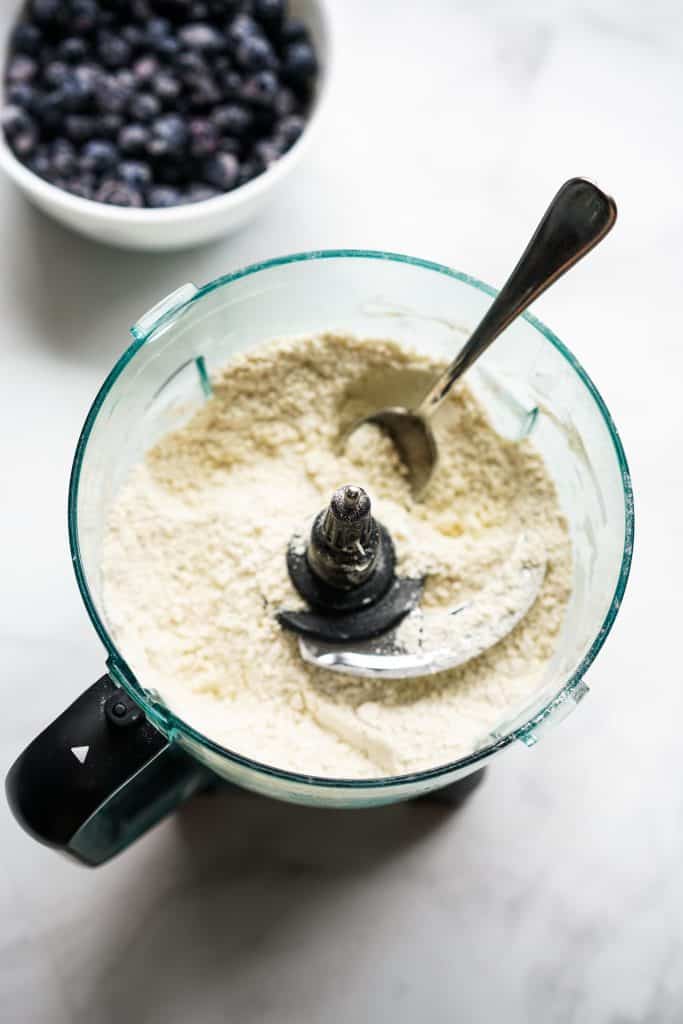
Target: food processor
{"x":119,"y":758}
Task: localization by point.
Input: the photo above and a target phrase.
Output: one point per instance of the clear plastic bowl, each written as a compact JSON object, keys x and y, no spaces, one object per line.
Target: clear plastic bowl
{"x":529,"y":382}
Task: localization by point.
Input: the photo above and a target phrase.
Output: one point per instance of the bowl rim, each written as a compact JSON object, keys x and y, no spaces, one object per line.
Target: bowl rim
{"x":173,"y":726}
{"x":52,"y":196}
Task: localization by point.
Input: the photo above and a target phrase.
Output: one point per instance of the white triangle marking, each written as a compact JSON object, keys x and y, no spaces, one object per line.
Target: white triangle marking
{"x":80,"y":753}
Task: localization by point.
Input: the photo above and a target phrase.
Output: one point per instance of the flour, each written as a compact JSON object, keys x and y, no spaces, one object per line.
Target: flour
{"x":194,"y":560}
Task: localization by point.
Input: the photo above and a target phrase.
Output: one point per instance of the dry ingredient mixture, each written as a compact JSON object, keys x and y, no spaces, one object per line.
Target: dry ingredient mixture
{"x":194,"y":561}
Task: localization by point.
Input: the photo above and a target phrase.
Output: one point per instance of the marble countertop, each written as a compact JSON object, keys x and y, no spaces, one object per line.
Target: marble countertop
{"x":555,"y":893}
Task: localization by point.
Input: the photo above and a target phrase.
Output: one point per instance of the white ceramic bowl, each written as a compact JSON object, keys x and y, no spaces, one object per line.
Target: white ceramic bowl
{"x":193,"y":223}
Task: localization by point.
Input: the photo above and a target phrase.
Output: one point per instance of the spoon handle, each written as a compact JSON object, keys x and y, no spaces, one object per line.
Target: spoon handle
{"x":579,"y":216}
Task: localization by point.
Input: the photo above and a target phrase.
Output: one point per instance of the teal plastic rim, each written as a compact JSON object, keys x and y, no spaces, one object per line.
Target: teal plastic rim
{"x":174,"y":726}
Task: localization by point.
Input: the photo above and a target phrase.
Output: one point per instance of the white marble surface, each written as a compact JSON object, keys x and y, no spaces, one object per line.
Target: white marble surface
{"x":556,"y":894}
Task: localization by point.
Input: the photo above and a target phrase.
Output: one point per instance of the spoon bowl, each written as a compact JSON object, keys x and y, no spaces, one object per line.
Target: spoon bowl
{"x":413,"y":439}
{"x":577,"y":219}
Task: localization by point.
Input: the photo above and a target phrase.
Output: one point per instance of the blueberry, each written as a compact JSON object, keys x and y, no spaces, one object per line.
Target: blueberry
{"x":41,"y":164}
{"x":45,"y":11}
{"x":222,"y":171}
{"x":50,"y":108}
{"x":72,"y":49}
{"x":168,"y":47}
{"x":113,"y":51}
{"x":203,"y":137}
{"x":294,"y":30}
{"x":56,"y":72}
{"x":248,"y":169}
{"x":171,"y":128}
{"x":118,"y":193}
{"x":267,"y":151}
{"x":87,"y":75}
{"x":204,"y":92}
{"x":232,"y":85}
{"x":261,"y":89}
{"x":134,"y":36}
{"x":255,"y":52}
{"x":204,"y":38}
{"x":109,"y":126}
{"x":232,"y":119}
{"x":160,"y":37}
{"x":79,"y":127}
{"x":75,"y":95}
{"x":133,"y":139}
{"x":145,"y":68}
{"x":163,"y":195}
{"x":99,"y":155}
{"x":269,"y":12}
{"x":227,"y":144}
{"x":241,"y":26}
{"x":197,"y":192}
{"x":166,"y":87}
{"x":300,"y":63}
{"x":289,"y":129}
{"x":190,"y":63}
{"x":26,"y":38}
{"x":134,"y":173}
{"x":285,"y":102}
{"x":79,"y":187}
{"x":157,"y":28}
{"x":83,"y":16}
{"x":62,"y":155}
{"x":21,"y":69}
{"x":14,"y":120}
{"x":141,"y":9}
{"x":25,"y":142}
{"x":125,"y":78}
{"x":21,"y":95}
{"x":157,"y":149}
{"x":111,"y":95}
{"x":144,"y":106}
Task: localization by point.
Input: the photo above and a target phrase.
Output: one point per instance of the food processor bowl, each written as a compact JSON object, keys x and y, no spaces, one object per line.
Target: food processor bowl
{"x":530,"y":384}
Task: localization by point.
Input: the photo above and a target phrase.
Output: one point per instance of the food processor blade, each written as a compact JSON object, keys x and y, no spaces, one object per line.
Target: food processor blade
{"x":425,"y":642}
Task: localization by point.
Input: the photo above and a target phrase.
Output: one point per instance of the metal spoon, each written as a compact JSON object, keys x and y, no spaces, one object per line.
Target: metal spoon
{"x":578,"y":218}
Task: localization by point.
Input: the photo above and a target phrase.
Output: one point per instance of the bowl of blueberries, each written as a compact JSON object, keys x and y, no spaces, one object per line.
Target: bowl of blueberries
{"x":160,"y":124}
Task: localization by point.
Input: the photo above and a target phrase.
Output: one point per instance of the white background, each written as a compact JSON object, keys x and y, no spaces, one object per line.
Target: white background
{"x":556,"y":893}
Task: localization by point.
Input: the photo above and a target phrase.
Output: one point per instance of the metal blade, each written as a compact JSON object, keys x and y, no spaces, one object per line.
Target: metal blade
{"x":429,"y":642}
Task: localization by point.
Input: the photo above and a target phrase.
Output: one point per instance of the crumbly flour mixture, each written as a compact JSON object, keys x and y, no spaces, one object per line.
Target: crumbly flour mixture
{"x":194,"y":561}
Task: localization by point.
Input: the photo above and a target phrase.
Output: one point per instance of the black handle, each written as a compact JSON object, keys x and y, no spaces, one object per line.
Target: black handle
{"x":99,"y":776}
